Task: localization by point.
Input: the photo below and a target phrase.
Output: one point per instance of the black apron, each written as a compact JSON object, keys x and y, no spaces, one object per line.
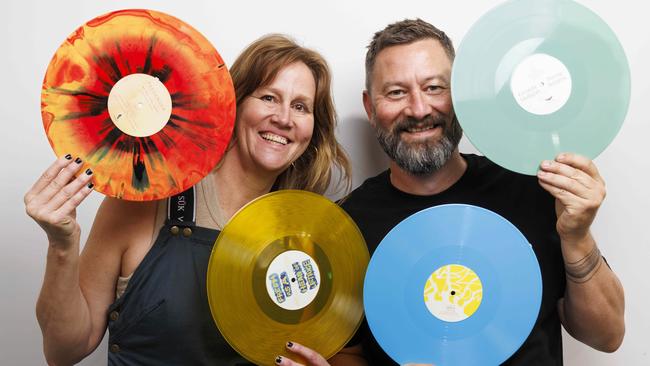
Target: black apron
{"x":163,"y":317}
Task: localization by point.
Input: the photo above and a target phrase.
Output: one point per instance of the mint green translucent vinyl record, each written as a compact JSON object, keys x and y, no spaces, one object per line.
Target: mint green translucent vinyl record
{"x":533,"y":78}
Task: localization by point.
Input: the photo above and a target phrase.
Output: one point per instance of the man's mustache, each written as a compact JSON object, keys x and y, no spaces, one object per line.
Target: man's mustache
{"x":410,"y":122}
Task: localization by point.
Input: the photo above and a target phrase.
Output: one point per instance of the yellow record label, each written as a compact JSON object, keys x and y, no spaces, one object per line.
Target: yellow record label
{"x":453,"y":293}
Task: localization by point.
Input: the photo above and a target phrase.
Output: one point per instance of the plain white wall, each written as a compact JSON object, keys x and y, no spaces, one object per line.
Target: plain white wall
{"x":32,"y":30}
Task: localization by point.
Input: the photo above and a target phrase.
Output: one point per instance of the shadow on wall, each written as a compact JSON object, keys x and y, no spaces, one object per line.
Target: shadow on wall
{"x":358,"y":138}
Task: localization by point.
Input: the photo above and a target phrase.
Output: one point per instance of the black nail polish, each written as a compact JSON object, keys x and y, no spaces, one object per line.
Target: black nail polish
{"x":278,"y":359}
{"x":89,"y":172}
{"x":68,"y":157}
{"x":90,"y":185}
{"x":289,"y":344}
{"x":77,"y":160}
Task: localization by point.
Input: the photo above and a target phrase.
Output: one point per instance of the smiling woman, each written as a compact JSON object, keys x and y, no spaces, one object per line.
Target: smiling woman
{"x":276,"y":57}
{"x":276,"y":121}
{"x":146,"y":282}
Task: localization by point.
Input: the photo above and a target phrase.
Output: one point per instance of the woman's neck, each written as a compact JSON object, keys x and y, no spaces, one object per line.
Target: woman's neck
{"x":238,"y":183}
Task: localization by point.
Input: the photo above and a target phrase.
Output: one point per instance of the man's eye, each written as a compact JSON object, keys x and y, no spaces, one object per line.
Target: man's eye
{"x":396,"y":93}
{"x":434,"y":88}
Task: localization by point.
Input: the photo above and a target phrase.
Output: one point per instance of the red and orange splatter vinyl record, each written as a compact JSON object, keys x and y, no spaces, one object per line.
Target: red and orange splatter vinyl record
{"x":144,"y":99}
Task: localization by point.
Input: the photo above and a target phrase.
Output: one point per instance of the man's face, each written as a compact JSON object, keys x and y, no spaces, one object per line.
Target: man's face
{"x":409,"y":105}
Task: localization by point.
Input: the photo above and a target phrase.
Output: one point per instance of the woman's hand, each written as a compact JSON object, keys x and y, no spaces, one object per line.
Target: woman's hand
{"x":53,"y":199}
{"x":311,"y":357}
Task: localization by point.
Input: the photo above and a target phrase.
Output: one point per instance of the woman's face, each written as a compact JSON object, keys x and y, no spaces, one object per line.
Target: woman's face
{"x":276,"y":122}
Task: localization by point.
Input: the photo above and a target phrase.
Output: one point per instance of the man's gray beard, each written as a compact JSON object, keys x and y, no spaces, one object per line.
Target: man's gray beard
{"x":420,"y":158}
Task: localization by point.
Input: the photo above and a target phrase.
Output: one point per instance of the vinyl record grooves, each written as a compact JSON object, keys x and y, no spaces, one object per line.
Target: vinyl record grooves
{"x":287,"y":266}
{"x":533,"y":78}
{"x":452,"y":285}
{"x":144,"y":99}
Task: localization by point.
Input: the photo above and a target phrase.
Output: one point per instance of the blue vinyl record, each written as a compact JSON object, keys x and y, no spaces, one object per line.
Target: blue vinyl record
{"x":452,"y":285}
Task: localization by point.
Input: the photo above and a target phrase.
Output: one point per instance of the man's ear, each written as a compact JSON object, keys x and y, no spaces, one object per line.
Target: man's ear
{"x":367,"y":104}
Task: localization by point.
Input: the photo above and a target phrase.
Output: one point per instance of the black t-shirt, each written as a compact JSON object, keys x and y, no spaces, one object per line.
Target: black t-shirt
{"x":377,"y":206}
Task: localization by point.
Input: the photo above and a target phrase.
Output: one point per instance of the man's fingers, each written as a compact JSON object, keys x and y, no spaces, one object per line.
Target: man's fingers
{"x":562,"y":183}
{"x":581,"y":163}
{"x":562,"y":195}
{"x":566,"y":170}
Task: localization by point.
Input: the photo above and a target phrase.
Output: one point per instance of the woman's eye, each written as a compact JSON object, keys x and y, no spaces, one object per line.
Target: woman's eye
{"x":300,"y":107}
{"x":267,"y":98}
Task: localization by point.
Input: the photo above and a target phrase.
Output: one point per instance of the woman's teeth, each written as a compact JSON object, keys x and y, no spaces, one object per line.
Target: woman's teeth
{"x":275,"y":138}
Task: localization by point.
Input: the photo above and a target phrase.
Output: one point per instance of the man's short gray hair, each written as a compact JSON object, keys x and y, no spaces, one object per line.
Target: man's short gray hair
{"x":404,"y":32}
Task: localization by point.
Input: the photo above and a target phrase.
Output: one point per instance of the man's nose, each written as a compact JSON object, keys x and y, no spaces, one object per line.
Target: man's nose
{"x":418,"y":106}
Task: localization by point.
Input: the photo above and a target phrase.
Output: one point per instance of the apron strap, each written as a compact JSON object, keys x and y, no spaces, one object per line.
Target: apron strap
{"x":181,"y":208}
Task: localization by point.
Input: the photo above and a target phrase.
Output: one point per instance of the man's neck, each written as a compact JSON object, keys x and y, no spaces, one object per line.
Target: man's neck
{"x":430,"y":184}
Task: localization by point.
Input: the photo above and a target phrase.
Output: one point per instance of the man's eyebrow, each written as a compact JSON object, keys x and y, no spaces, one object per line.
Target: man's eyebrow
{"x":436,"y":77}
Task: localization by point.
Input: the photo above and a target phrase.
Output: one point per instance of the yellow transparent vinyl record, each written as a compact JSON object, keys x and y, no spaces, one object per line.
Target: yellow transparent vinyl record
{"x":289,"y":266}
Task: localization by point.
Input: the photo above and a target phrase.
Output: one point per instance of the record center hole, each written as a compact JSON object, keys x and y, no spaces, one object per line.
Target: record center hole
{"x":453,"y":293}
{"x":293,"y":279}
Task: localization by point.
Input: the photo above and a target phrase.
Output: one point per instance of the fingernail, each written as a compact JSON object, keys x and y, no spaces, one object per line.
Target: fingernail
{"x":89,"y":172}
{"x":561,"y":157}
{"x":546,"y":163}
{"x":90,"y":185}
{"x":77,"y":160}
{"x":289,"y":344}
{"x":68,"y":157}
{"x":541,"y":173}
{"x":278,"y":359}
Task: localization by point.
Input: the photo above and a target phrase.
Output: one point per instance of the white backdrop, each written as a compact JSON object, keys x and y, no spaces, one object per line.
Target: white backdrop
{"x":32,"y":30}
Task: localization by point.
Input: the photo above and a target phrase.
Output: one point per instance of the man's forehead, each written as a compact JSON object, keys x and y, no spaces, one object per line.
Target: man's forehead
{"x":426,"y":57}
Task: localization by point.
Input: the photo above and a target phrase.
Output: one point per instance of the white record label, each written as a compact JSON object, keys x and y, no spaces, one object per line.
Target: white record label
{"x":139,"y":105}
{"x":541,"y":84}
{"x":292,"y":280}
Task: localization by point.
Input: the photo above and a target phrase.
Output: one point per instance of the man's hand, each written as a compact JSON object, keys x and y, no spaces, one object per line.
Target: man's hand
{"x":579,"y":190}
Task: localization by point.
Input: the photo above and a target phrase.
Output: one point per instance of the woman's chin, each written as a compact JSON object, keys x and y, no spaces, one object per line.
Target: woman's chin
{"x":273,"y":167}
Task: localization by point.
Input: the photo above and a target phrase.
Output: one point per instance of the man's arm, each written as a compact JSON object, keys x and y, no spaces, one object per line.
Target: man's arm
{"x":592,"y":309}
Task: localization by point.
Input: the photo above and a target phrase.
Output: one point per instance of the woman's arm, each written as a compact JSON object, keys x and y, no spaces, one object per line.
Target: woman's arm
{"x":77,"y":290}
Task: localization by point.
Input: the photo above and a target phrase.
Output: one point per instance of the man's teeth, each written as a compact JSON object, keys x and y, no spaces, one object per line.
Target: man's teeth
{"x":275,"y":138}
{"x":420,"y":129}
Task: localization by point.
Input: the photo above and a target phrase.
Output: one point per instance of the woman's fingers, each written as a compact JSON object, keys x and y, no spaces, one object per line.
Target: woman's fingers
{"x":71,"y":204}
{"x":52,"y":181}
{"x":47,"y":177}
{"x":69,"y":192}
{"x":54,"y":197}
